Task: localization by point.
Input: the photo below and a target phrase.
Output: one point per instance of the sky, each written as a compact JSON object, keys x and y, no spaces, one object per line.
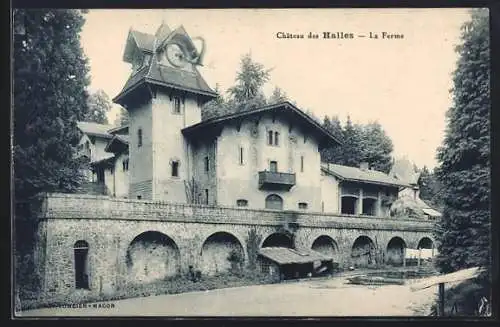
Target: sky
{"x":403,"y":83}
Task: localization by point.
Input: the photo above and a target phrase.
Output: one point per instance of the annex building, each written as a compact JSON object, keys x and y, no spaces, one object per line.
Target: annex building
{"x":169,"y":191}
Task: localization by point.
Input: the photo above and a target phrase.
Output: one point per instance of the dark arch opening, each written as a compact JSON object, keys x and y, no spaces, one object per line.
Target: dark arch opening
{"x":363,"y":252}
{"x":221,"y":252}
{"x":274,"y":201}
{"x":326,"y":245}
{"x":396,"y":251}
{"x":348,"y":205}
{"x":152,"y":255}
{"x":425,"y":243}
{"x":81,"y":250}
{"x":278,"y":240}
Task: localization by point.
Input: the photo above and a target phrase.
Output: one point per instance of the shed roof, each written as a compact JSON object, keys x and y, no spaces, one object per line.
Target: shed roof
{"x":95,"y":129}
{"x":361,"y":175}
{"x":431,"y":212}
{"x":117,"y":143}
{"x":284,"y":256}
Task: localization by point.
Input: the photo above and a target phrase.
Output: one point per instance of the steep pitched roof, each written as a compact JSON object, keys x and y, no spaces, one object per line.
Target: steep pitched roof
{"x":282,"y":107}
{"x":91,"y":128}
{"x":361,"y":175}
{"x":144,"y":41}
{"x":284,"y":256}
{"x":162,"y":75}
{"x":117,"y":144}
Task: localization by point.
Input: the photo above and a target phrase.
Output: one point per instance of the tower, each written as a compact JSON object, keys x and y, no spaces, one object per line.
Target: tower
{"x":163,"y":95}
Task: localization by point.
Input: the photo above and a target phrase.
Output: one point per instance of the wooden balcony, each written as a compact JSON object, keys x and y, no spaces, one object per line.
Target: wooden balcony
{"x":276,"y":181}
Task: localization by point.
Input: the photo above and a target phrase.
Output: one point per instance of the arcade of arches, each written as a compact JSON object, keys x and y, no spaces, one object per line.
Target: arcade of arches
{"x":153,"y":255}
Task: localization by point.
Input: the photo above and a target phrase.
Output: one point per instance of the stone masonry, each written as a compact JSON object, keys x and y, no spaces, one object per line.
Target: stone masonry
{"x":131,"y":241}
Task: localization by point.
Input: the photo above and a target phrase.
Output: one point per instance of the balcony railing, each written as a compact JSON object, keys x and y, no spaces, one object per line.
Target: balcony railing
{"x":275,"y":180}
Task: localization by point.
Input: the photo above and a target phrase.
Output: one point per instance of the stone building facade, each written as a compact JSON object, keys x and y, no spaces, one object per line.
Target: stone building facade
{"x":183,"y":192}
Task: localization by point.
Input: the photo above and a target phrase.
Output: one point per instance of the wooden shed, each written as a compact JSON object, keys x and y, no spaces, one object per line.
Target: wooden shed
{"x":286,"y":263}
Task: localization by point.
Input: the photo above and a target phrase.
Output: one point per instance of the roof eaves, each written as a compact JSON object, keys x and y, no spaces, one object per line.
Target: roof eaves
{"x":176,"y":86}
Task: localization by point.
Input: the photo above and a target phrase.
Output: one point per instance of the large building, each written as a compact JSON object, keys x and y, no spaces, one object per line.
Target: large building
{"x":170,"y":192}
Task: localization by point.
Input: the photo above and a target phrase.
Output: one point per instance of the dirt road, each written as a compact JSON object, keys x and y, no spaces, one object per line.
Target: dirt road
{"x":327,"y":297}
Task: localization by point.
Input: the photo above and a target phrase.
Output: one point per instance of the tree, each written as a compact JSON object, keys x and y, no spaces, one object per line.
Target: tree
{"x":351,"y":149}
{"x":332,"y":154}
{"x":98,"y":105}
{"x":463,"y":232}
{"x":277,"y":96}
{"x":216,"y":107}
{"x":430,"y":188}
{"x":122,"y":117}
{"x":376,"y":147}
{"x":50,"y":78}
{"x":247,"y":94}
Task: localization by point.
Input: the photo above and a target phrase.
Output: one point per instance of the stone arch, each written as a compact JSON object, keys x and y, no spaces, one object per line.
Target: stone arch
{"x":221,"y":252}
{"x":274,"y":201}
{"x":278,"y":240}
{"x":326,"y":245}
{"x":363,"y":251}
{"x":395,"y":251}
{"x":425,"y":243}
{"x":152,"y":255}
{"x":81,"y":251}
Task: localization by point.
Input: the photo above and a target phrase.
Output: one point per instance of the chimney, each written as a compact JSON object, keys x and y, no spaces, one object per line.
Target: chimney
{"x":364,"y":165}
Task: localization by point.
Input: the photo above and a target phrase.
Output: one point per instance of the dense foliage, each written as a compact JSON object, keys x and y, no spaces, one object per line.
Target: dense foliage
{"x":122,"y":117}
{"x":361,"y":143}
{"x":50,"y":77}
{"x":464,"y":231}
{"x":98,"y":105}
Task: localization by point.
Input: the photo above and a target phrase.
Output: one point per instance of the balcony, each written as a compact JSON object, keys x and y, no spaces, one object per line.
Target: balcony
{"x":276,"y":181}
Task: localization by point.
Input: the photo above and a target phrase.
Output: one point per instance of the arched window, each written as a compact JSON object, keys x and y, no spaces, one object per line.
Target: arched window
{"x":242,"y":203}
{"x":276,"y":138}
{"x":139,"y":137}
{"x":274,"y":201}
{"x":81,"y":249}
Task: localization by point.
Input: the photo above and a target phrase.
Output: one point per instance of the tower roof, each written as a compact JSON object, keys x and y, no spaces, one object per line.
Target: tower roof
{"x":157,"y":74}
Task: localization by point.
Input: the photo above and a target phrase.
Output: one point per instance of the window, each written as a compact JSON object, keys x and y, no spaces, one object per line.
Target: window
{"x":241,"y":156}
{"x":273,"y":138}
{"x":139,"y":137}
{"x":125,"y":164}
{"x":302,"y":164}
{"x":302,"y":205}
{"x":139,"y":197}
{"x":270,"y":138}
{"x":175,"y":168}
{"x":273,"y":166}
{"x":207,"y":163}
{"x":206,"y":196}
{"x":274,"y":201}
{"x":177,"y":105}
{"x":305,"y":139}
{"x":242,"y":203}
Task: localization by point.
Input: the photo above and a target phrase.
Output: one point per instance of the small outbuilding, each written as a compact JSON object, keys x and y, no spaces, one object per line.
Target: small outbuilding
{"x":286,"y":263}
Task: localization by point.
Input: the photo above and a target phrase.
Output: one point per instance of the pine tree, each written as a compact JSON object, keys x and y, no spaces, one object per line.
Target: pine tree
{"x":50,"y":78}
{"x":463,"y":232}
{"x":277,"y":96}
{"x":351,"y":149}
{"x":247,"y":94}
{"x":376,"y":147}
{"x":332,"y":154}
{"x":98,"y":106}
